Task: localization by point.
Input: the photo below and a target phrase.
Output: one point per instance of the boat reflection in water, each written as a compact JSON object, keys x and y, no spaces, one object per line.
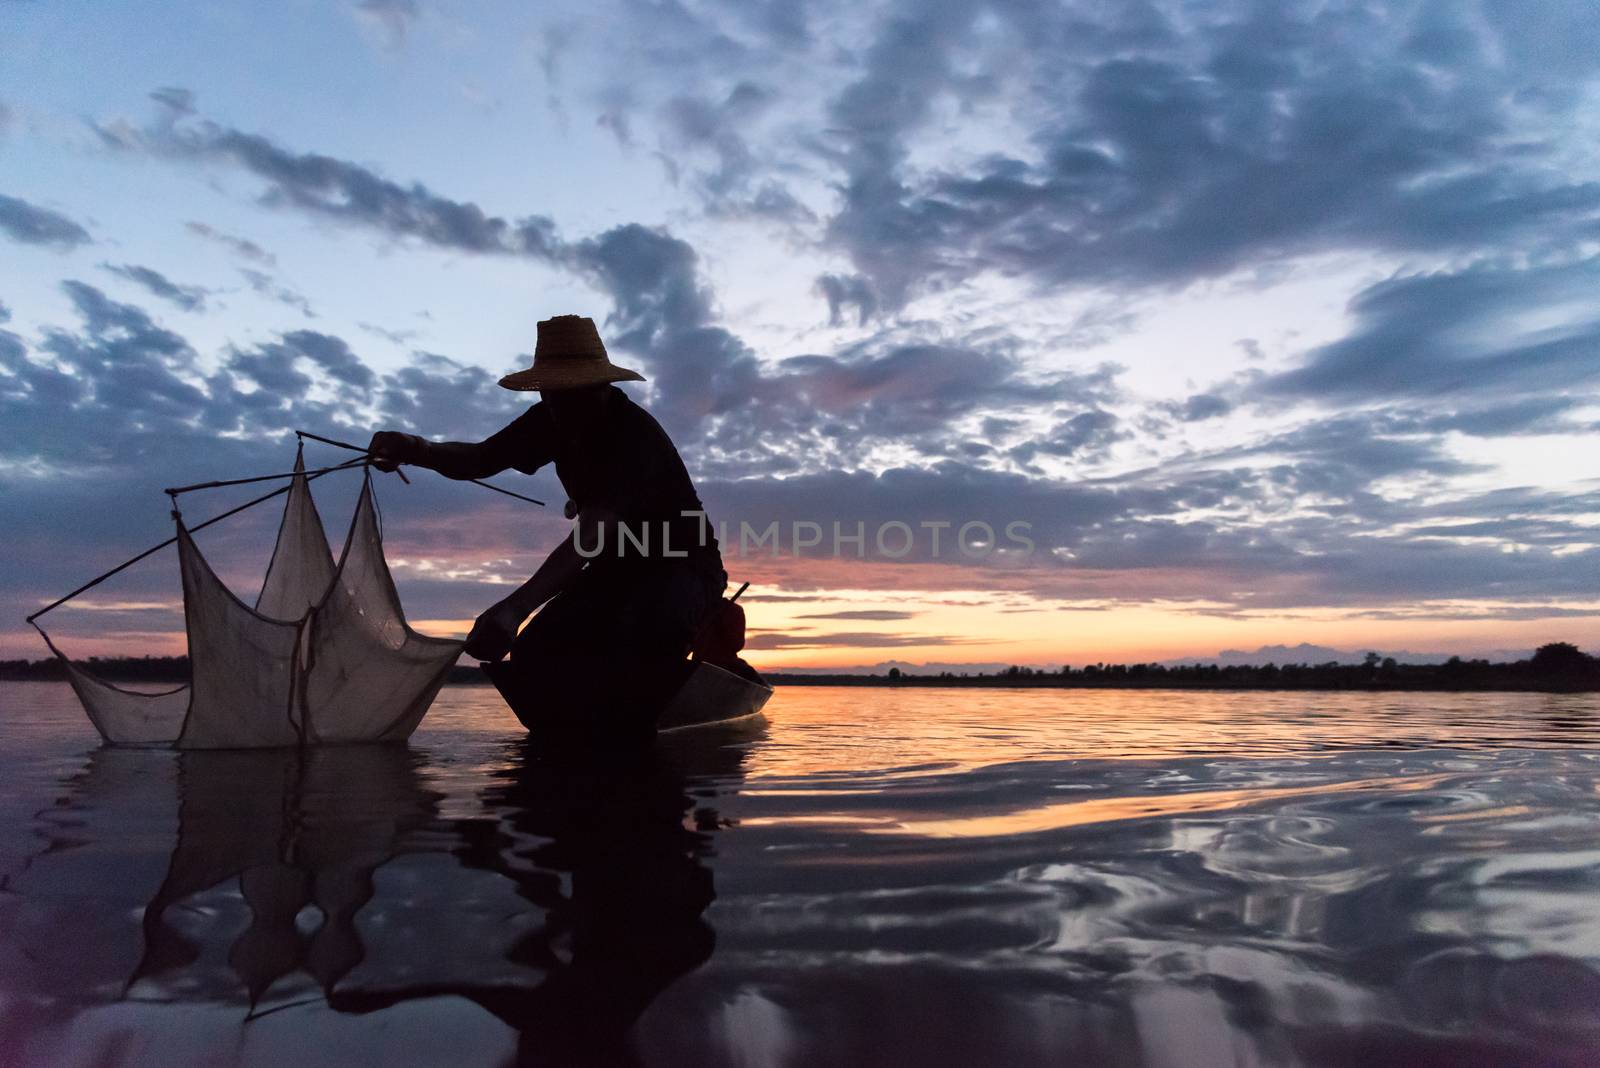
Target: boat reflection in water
{"x":563,"y":901}
{"x":609,"y":859}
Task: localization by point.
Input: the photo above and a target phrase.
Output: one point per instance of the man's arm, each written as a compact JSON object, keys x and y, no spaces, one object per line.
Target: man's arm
{"x":452,"y":459}
{"x":496,"y":628}
{"x":525,"y":443}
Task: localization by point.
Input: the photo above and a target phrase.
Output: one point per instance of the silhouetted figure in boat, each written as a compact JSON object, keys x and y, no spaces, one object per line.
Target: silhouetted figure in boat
{"x":626,"y":593}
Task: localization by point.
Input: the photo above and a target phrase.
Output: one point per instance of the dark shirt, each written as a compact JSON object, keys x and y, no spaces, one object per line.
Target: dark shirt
{"x":626,"y":464}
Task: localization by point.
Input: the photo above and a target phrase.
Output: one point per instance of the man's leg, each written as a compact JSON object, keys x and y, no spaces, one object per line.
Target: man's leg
{"x":564,"y":659}
{"x":657,"y":623}
{"x":610,"y":651}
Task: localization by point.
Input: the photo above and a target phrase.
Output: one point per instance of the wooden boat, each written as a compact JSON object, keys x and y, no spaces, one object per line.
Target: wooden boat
{"x":710,"y":696}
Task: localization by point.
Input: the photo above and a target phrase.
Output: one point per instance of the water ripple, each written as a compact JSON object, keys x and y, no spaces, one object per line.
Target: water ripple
{"x":1119,"y":879}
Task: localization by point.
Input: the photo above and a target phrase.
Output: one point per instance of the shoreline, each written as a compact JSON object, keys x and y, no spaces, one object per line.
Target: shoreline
{"x":1564,"y":670}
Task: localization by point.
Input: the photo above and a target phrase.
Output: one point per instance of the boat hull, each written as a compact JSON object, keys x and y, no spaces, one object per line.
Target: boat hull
{"x":709,"y":697}
{"x":712,"y":696}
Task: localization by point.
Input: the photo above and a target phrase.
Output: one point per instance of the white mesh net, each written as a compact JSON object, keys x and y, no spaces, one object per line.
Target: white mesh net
{"x":124,"y":717}
{"x":302,"y":567}
{"x":244,"y":665}
{"x":368,"y":675}
{"x":325,"y":656}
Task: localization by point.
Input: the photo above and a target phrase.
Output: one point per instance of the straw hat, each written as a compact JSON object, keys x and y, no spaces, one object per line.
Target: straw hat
{"x":569,"y":354}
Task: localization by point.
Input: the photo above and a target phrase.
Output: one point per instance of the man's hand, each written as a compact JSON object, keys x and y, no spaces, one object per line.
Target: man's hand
{"x":389,"y":449}
{"x":494,"y":631}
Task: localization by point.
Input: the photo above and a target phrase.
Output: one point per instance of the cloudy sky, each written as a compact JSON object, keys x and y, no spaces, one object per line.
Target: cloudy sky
{"x":1273,"y":322}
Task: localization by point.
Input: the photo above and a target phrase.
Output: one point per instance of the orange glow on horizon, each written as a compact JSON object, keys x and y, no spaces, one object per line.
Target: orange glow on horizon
{"x":856,"y":627}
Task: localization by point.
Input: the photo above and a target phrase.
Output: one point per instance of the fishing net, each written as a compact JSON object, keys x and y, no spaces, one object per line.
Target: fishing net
{"x":324,"y":656}
{"x":302,"y":566}
{"x":126,"y":717}
{"x":368,"y":676}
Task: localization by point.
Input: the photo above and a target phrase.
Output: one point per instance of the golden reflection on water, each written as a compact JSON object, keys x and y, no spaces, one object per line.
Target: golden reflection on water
{"x":824,"y":731}
{"x":1497,"y":812}
{"x":1055,"y":817}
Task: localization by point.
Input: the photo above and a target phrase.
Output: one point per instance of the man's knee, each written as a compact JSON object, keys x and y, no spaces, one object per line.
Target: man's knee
{"x":663,"y":620}
{"x":564,"y":622}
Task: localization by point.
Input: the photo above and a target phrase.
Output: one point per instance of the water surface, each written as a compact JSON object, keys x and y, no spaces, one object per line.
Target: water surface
{"x":879,"y":876}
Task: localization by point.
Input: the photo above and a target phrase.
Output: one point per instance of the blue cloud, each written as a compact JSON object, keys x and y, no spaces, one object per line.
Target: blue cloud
{"x":1258,"y":133}
{"x":32,"y":225}
{"x":1490,"y":328}
{"x":189,"y":298}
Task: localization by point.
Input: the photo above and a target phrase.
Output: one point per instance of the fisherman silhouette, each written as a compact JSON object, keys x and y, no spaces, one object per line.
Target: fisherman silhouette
{"x":622,"y":598}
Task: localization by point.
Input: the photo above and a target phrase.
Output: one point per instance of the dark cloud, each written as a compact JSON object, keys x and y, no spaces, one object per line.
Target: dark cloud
{"x":441,"y":398}
{"x":189,"y":298}
{"x":395,"y":337}
{"x":1086,"y":434}
{"x":175,"y":98}
{"x":860,"y":639}
{"x":1256,"y":133}
{"x":710,"y":126}
{"x":902,"y":389}
{"x":710,"y":389}
{"x":1457,"y":614}
{"x":905,"y":72}
{"x":267,"y":286}
{"x":768,"y":201}
{"x":123,"y":353}
{"x":703,"y":142}
{"x":664,"y":312}
{"x":880,"y":615}
{"x":339,"y":190}
{"x":781,"y":598}
{"x":1488,"y":328}
{"x":1295,"y":520}
{"x":1530,"y":415}
{"x":782,"y":22}
{"x":1366,"y":446}
{"x":1203,"y":406}
{"x":33,"y":225}
{"x":332,"y":355}
{"x":243,"y":247}
{"x":707,"y":384}
{"x":847,"y":291}
{"x":616,"y":121}
{"x":998,"y":427}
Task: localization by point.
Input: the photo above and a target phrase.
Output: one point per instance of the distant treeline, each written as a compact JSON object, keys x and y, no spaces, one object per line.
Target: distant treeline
{"x":113,"y":669}
{"x":1559,"y":667}
{"x":148,"y":669}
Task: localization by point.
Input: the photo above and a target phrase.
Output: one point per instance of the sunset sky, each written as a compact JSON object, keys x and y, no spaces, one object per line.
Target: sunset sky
{"x":1271,"y":322}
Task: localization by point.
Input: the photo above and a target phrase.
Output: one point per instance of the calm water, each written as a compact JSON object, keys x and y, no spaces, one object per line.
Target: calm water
{"x":878,"y":877}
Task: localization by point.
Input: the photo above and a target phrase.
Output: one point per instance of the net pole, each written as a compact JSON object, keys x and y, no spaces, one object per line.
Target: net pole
{"x":173,"y":491}
{"x":92,"y":583}
{"x":474,"y":481}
